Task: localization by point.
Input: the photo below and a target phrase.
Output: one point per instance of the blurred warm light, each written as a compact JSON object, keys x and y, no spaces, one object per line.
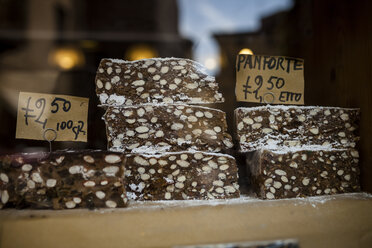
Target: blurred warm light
{"x":246,"y":51}
{"x":141,"y":51}
{"x":67,"y":58}
{"x":223,"y":59}
{"x":210,"y":63}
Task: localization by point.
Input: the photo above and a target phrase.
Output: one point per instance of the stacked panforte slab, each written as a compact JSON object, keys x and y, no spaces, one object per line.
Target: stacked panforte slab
{"x":172,"y":145}
{"x":63,"y":180}
{"x":299,"y":151}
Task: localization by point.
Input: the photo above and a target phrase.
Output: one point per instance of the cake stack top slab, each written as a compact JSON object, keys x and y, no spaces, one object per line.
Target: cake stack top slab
{"x":157,"y":80}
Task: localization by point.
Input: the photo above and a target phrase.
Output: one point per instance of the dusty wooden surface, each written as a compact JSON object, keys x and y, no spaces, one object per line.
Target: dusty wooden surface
{"x":333,"y":221}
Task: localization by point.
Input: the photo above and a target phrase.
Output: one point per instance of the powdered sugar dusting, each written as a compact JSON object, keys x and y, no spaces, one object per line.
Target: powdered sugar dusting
{"x":186,"y":152}
{"x":287,"y":107}
{"x":103,"y":97}
{"x":149,"y":152}
{"x":273,"y":143}
{"x":196,"y":64}
{"x":161,"y":104}
{"x":113,"y":98}
{"x":151,"y":149}
{"x":286,"y":149}
{"x":163,"y":205}
{"x":170,"y":181}
{"x":313,"y":201}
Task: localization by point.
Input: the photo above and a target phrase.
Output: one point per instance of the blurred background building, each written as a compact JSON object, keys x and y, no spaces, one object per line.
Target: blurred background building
{"x":55,"y":46}
{"x":333,"y":38}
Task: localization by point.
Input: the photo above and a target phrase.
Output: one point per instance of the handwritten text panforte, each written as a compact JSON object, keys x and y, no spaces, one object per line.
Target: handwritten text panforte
{"x":269,"y":79}
{"x":269,"y":63}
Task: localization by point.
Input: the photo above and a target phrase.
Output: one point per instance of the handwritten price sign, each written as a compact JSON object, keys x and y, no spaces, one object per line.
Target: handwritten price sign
{"x":269,"y":79}
{"x":65,"y":116}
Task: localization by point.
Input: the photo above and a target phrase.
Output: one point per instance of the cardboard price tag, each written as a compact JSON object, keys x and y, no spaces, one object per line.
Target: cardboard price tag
{"x":42,"y":116}
{"x":269,"y":79}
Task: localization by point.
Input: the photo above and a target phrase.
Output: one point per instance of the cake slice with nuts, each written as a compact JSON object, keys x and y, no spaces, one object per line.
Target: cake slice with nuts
{"x":276,"y":127}
{"x":63,"y":180}
{"x":155,"y":128}
{"x":156,"y":80}
{"x":181,"y":176}
{"x":289,"y":173}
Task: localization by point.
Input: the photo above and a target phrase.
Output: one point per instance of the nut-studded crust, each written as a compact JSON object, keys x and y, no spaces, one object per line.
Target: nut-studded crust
{"x":166,"y":128}
{"x":157,"y":80}
{"x":181,"y":176}
{"x":59,"y":180}
{"x":276,"y":127}
{"x":300,"y":173}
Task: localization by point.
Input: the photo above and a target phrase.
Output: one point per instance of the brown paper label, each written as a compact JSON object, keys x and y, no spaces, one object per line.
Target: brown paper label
{"x":269,"y":79}
{"x":45,"y":117}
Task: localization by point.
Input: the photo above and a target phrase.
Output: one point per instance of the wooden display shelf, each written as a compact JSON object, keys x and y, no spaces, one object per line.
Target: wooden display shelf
{"x":329,"y":221}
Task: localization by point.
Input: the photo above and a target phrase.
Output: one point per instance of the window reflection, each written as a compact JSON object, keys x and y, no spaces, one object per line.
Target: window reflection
{"x":55,"y":47}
